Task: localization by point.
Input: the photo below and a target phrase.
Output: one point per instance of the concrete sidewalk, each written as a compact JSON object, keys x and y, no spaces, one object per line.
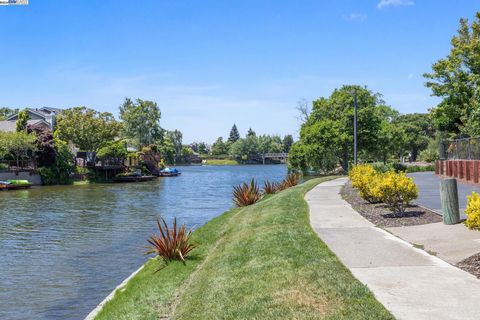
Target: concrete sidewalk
{"x":409,"y":282}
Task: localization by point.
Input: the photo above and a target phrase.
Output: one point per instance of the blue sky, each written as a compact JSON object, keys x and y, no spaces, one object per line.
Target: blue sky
{"x":209,"y":64}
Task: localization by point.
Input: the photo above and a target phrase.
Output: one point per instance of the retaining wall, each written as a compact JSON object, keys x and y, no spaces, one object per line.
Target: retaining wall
{"x":463,"y":170}
{"x":22,"y":175}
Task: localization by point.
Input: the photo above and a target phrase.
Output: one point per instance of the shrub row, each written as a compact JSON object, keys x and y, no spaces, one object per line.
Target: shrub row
{"x":394,"y":189}
{"x":246,"y":194}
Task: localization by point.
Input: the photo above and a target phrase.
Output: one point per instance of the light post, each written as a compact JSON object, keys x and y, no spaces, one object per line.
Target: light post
{"x":354,"y":93}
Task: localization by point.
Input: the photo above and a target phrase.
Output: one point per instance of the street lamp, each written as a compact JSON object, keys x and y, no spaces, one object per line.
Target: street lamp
{"x":354,"y":94}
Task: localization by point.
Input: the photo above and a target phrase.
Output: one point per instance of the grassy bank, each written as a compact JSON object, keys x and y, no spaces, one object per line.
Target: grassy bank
{"x":258,"y":262}
{"x":221,"y":162}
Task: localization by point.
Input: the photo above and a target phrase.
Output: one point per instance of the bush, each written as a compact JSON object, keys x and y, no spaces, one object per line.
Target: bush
{"x":115,"y":149}
{"x":171,"y":244}
{"x":429,"y":167}
{"x":473,"y":211}
{"x":397,"y":190}
{"x":291,"y":180}
{"x":246,"y":194}
{"x":365,"y":178}
{"x":395,"y":166}
{"x":270,"y":187}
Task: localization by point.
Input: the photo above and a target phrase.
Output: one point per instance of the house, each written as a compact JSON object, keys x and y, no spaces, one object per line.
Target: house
{"x":42,"y":117}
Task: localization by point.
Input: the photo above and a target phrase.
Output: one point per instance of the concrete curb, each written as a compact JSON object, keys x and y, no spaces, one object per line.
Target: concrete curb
{"x":408,"y":281}
{"x":93,"y":314}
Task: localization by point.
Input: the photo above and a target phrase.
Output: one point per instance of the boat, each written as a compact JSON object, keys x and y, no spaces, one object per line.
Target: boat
{"x":169,"y":172}
{"x":132,"y":177}
{"x":15,"y":184}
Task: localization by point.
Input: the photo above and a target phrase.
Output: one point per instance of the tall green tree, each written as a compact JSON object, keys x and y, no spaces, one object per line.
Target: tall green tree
{"x":250,"y":132}
{"x":88,"y":129}
{"x":234,"y":134}
{"x":287,"y":143}
{"x":22,"y":120}
{"x":176,"y":138}
{"x":456,"y":79}
{"x":326,"y":138}
{"x":141,"y":120}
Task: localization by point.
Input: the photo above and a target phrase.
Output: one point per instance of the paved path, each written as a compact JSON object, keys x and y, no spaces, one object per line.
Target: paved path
{"x":409,"y":282}
{"x":429,"y":191}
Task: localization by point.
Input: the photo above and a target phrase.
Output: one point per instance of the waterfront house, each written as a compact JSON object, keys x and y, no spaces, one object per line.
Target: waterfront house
{"x":42,"y":117}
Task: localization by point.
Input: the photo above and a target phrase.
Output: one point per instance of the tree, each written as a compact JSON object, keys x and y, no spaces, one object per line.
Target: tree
{"x":456,"y":79}
{"x":114,"y":149}
{"x":88,"y":129}
{"x":18,"y":144}
{"x":219,"y":147}
{"x":22,"y":120}
{"x":202,"y":148}
{"x":234,"y":135}
{"x":326,"y":138}
{"x":251,"y":132}
{"x":176,"y":137}
{"x":141,"y":121}
{"x":418,"y":129}
{"x":6,"y":112}
{"x":304,"y":109}
{"x":287,"y":143}
{"x":46,"y":151}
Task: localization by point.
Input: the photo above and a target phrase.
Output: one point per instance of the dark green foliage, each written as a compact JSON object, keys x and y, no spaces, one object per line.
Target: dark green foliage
{"x":141,"y":121}
{"x":62,"y":170}
{"x":455,"y":80}
{"x":287,"y":143}
{"x":234,"y":134}
{"x":115,"y":149}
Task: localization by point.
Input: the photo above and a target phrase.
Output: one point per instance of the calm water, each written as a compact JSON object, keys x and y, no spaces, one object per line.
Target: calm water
{"x":63,"y":249}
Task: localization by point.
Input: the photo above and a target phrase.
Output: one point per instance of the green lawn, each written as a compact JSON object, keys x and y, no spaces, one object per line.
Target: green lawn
{"x":258,"y":262}
{"x":221,"y":162}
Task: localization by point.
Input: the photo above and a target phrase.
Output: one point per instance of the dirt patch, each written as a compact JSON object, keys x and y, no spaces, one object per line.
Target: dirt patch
{"x":380,"y":215}
{"x":471,"y":264}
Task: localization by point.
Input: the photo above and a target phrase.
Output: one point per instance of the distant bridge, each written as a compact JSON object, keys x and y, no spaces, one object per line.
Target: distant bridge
{"x":281,"y":156}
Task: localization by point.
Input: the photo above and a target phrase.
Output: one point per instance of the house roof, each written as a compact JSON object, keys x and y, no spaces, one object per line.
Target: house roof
{"x":42,"y":112}
{"x":10,"y":126}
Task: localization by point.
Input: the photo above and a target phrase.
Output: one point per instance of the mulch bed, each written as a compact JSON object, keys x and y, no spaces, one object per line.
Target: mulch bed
{"x":380,"y":215}
{"x":471,"y":264}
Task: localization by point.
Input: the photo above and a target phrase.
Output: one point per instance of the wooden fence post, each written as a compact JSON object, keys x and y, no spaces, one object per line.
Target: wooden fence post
{"x":449,"y":199}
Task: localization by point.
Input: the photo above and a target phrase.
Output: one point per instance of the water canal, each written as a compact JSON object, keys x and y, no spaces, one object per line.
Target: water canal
{"x":64,"y":248}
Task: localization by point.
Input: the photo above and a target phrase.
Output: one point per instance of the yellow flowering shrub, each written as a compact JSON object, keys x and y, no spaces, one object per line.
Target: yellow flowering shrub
{"x":365,"y":178}
{"x":473,"y":211}
{"x":397,"y":190}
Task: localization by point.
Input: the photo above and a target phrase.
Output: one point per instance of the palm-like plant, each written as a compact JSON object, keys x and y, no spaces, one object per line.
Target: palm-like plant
{"x":171,"y":244}
{"x":291,"y":180}
{"x":270,"y":187}
{"x":246,"y":194}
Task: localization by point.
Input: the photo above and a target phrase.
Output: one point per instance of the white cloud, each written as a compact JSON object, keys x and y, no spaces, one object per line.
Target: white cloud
{"x":355,"y":17}
{"x":395,"y":3}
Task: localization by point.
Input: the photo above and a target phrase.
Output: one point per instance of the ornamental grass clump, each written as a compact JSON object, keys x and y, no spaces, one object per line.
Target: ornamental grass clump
{"x":367,"y":180}
{"x":396,"y":190}
{"x":473,"y":211}
{"x":270,"y":187}
{"x":246,"y":194}
{"x":291,"y":180}
{"x":171,"y":244}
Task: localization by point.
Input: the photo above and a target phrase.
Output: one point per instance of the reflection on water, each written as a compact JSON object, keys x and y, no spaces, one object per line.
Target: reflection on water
{"x":63,"y":249}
